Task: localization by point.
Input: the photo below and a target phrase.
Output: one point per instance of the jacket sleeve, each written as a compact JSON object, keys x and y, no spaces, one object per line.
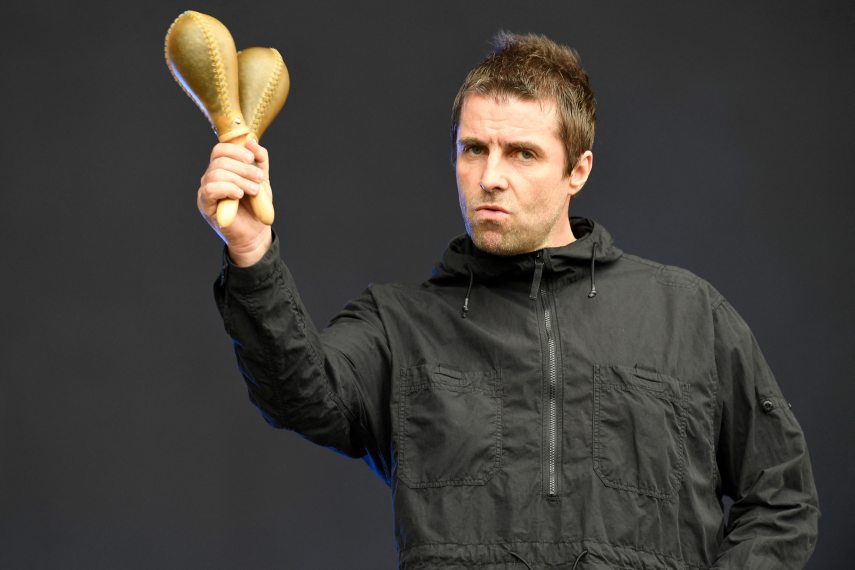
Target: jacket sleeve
{"x":762,"y":459}
{"x":332,"y":386}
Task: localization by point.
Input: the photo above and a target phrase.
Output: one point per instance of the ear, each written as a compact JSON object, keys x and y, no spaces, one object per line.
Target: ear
{"x":580,"y":173}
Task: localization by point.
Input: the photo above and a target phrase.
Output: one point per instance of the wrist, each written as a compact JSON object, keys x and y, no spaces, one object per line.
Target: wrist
{"x":245,"y":255}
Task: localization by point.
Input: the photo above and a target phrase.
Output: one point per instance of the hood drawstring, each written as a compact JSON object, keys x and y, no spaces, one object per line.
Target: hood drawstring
{"x":465,"y":308}
{"x":518,"y":557}
{"x":593,"y":292}
{"x":582,"y":554}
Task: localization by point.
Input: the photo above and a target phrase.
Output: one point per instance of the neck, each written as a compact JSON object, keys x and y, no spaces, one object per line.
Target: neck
{"x":561,"y":235}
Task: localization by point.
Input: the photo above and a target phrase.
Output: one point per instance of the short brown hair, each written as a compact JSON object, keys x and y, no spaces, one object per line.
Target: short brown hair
{"x":533,"y":67}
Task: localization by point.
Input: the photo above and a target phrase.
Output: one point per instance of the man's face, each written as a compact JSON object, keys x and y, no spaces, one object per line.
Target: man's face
{"x":511,"y":175}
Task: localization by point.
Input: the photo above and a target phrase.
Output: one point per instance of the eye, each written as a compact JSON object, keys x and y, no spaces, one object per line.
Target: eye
{"x":525,"y":154}
{"x":473,"y":150}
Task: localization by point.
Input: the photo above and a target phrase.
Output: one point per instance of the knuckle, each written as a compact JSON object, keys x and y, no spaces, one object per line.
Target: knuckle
{"x":218,"y":150}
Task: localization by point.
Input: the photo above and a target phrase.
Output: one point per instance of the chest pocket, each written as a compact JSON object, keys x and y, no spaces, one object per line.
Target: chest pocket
{"x":639,"y":430}
{"x":449,"y":426}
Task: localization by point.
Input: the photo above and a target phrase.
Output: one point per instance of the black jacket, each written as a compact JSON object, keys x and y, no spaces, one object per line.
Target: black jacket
{"x":572,"y":407}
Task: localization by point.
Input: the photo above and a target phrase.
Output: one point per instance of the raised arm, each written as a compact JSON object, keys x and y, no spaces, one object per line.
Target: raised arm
{"x":332,"y":387}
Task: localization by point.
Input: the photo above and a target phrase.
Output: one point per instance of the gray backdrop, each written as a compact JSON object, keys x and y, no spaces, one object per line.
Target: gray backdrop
{"x":126,"y":438}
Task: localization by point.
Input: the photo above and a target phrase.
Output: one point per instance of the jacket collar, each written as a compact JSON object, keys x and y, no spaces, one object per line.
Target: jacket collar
{"x":592,"y":242}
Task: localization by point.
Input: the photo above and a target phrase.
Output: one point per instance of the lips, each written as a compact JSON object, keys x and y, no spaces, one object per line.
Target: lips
{"x":490,"y":213}
{"x":491,"y":208}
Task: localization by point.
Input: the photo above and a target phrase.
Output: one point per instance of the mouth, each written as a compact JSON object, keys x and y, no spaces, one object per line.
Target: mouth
{"x":491,"y":208}
{"x":490,"y":213}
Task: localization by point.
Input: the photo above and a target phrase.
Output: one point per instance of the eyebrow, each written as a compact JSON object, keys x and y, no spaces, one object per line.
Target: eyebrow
{"x":526,"y":145}
{"x":470,"y":141}
{"x":513,"y":145}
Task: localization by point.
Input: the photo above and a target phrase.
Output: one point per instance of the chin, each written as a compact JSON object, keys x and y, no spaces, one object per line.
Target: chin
{"x":494,"y":242}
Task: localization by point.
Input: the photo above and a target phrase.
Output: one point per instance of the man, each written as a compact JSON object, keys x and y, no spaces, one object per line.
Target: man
{"x":544,"y":400}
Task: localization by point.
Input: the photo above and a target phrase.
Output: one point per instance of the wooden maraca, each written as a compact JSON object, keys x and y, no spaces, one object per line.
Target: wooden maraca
{"x":201,"y":55}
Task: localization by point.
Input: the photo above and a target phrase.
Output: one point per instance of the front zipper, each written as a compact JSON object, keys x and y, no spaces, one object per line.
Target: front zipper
{"x":551,"y":428}
{"x":551,"y":406}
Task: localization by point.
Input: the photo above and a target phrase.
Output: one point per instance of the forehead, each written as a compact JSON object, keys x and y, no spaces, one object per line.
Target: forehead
{"x":495,"y":116}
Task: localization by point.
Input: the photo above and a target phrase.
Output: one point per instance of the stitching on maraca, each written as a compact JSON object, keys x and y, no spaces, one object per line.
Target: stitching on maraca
{"x":171,"y":70}
{"x":216,"y":63}
{"x":267,"y":95}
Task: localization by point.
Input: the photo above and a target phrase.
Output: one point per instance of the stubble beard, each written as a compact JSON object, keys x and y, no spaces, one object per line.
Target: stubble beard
{"x":509,"y":238}
{"x":505,"y":240}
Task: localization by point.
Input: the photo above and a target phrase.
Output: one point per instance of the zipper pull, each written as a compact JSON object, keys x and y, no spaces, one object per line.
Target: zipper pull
{"x":538,"y":273}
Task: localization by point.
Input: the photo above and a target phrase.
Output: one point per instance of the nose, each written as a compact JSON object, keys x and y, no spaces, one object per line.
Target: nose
{"x":493,"y":177}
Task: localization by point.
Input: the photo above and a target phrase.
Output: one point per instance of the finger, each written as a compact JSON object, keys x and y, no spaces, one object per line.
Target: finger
{"x":248,"y":171}
{"x":211,"y":193}
{"x":234,"y":151}
{"x":250,"y":186}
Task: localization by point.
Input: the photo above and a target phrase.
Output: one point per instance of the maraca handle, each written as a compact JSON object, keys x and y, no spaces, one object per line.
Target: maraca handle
{"x":261,"y":203}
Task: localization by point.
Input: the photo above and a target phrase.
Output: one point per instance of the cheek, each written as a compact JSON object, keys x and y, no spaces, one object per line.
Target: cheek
{"x":467,"y":182}
{"x":543,"y":199}
{"x":462,"y":190}
{"x":464,"y":171}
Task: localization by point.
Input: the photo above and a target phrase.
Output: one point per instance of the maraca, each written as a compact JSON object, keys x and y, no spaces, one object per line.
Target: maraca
{"x":201,"y":55}
{"x":263,"y":86}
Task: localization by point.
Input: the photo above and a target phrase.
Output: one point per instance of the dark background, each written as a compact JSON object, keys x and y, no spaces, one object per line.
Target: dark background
{"x":126,"y":438}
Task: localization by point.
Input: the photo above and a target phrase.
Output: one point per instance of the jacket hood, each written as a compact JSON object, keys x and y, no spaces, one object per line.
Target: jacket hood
{"x":593,"y":244}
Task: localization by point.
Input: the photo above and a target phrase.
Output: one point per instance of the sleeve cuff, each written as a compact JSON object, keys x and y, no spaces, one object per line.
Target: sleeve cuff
{"x":254,"y":276}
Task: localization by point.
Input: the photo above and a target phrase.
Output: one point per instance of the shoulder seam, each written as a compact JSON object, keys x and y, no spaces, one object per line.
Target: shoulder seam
{"x":689,"y":281}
